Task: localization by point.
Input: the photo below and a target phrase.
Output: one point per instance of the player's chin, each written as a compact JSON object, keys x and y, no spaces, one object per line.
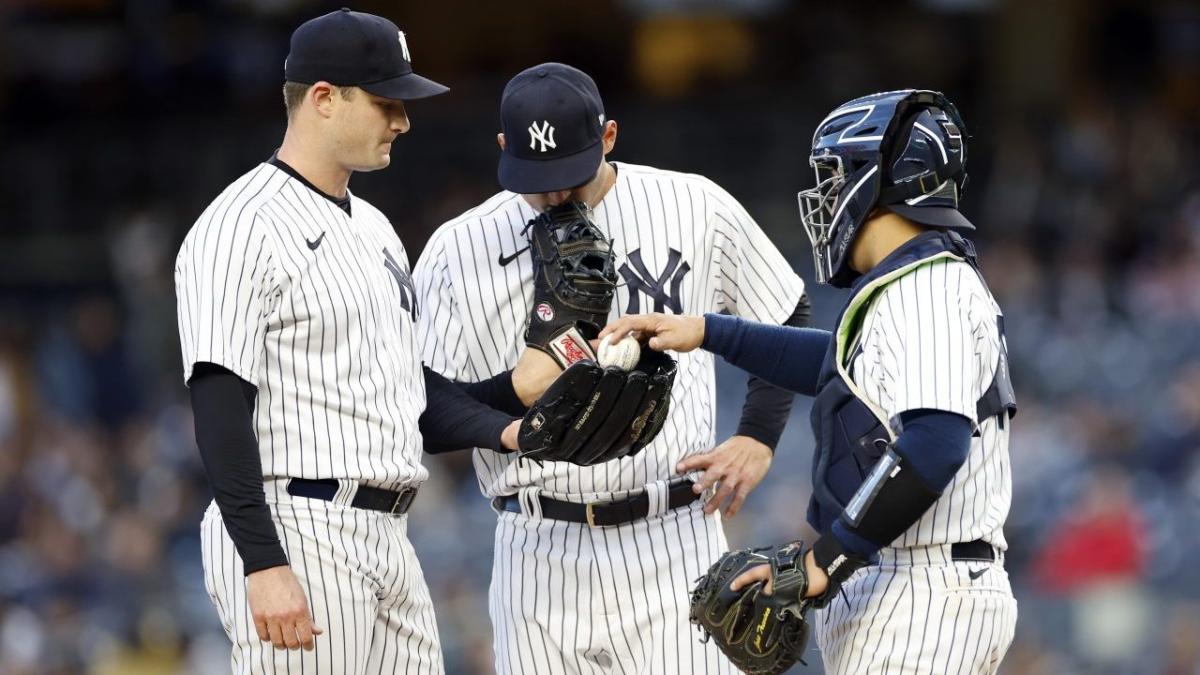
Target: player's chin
{"x":376,"y":162}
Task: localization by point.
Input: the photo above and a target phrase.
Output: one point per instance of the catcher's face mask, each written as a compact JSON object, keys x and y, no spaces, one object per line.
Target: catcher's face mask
{"x":833,"y":211}
{"x":817,"y":209}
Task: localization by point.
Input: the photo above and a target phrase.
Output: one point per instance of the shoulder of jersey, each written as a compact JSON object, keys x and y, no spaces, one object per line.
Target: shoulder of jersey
{"x":495,"y":205}
{"x":641,"y":172}
{"x":238,"y":204}
{"x":644,"y":172}
{"x":959,"y":276}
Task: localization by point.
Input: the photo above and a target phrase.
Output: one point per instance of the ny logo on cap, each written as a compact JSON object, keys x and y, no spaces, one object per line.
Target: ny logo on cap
{"x":404,"y":47}
{"x":545,"y":136}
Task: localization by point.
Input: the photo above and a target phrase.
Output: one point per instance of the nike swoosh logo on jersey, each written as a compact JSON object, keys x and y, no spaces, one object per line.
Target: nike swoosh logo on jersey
{"x":975,"y":574}
{"x":312,"y":245}
{"x":504,"y":260}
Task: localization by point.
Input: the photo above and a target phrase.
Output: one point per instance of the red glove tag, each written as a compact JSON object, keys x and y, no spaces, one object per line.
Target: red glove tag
{"x":569,"y":347}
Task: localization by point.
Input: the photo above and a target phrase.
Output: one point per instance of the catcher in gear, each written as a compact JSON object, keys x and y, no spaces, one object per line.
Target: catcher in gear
{"x":912,"y":404}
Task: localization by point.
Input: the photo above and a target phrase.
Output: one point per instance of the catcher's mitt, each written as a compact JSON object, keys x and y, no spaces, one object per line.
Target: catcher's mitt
{"x":591,"y":414}
{"x":574,"y":281}
{"x":762,"y":634}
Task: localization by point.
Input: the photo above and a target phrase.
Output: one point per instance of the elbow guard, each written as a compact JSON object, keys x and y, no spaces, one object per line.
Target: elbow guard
{"x":890,"y":500}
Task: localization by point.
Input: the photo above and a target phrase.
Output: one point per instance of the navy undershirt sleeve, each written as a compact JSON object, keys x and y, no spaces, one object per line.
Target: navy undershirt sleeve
{"x":496,"y":392}
{"x":222,"y":404}
{"x":454,"y":420}
{"x":785,"y":356}
{"x":765,"y":412}
{"x":936,"y":444}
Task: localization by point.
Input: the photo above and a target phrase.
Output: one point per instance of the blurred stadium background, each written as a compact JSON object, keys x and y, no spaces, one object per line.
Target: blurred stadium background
{"x":123,"y":118}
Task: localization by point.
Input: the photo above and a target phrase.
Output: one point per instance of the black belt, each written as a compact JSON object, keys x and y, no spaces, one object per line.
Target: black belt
{"x":375,"y":499}
{"x":602,"y":514}
{"x":972,"y":550}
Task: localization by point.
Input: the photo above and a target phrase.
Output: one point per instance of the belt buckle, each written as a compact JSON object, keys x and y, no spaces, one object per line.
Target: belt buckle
{"x":591,"y":513}
{"x":400,"y":502}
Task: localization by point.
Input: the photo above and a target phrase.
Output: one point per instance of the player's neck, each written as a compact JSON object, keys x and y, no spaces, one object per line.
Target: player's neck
{"x":606,"y":178}
{"x":880,"y":237}
{"x":315,"y":165}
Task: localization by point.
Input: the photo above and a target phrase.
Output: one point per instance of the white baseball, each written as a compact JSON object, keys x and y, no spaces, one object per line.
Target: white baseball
{"x":623,"y":355}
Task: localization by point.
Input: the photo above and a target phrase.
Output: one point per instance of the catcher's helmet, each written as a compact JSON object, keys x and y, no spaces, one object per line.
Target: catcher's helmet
{"x":904,"y":150}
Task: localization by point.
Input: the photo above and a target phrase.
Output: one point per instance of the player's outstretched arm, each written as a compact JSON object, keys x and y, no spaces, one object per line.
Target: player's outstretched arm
{"x":454,"y":419}
{"x":785,"y":356}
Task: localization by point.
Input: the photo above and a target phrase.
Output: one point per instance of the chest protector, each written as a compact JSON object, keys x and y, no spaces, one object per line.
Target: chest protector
{"x":851,"y":434}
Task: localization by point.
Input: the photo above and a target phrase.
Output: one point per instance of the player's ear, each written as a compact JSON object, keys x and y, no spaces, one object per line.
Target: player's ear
{"x":500,"y":140}
{"x":610,"y":135}
{"x":322,"y":94}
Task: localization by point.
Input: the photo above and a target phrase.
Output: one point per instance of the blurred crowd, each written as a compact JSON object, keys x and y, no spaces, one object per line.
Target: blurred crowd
{"x":1088,"y":208}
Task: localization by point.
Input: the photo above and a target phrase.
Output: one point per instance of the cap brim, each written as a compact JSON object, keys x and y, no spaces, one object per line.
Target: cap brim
{"x":535,"y":176}
{"x":405,"y":88}
{"x":936,"y":216}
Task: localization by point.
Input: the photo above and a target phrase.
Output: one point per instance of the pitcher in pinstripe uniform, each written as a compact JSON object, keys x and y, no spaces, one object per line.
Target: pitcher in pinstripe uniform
{"x":911,"y":479}
{"x":592,"y":564}
{"x":297,"y":319}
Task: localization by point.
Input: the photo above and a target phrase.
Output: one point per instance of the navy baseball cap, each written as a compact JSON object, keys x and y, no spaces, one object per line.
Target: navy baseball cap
{"x":353,"y":49}
{"x":553,"y":123}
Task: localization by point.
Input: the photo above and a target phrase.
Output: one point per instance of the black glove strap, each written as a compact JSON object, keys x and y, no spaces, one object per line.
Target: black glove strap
{"x":790,"y":579}
{"x":838,"y":564}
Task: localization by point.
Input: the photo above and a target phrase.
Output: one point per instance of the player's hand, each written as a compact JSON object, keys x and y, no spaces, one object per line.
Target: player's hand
{"x":664,"y":331}
{"x":818,"y":581}
{"x":737,"y":466}
{"x":753,"y":576}
{"x":280,"y":609}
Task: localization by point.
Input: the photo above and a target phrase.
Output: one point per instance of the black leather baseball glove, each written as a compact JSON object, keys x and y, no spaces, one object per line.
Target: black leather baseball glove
{"x":574,"y":281}
{"x":761,"y":634}
{"x":591,"y":414}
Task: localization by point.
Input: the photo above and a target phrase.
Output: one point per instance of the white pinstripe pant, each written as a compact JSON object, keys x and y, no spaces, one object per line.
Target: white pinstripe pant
{"x":918,"y":611}
{"x":569,"y":599}
{"x":363,"y":583}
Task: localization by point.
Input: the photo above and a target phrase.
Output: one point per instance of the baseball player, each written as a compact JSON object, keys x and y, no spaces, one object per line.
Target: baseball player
{"x":297,"y":319}
{"x":911,"y":483}
{"x":592,"y":564}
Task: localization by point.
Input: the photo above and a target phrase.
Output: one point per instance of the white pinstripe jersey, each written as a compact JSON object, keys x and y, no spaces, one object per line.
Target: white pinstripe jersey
{"x":315,"y":307}
{"x":930,"y":339}
{"x":683,"y":245}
